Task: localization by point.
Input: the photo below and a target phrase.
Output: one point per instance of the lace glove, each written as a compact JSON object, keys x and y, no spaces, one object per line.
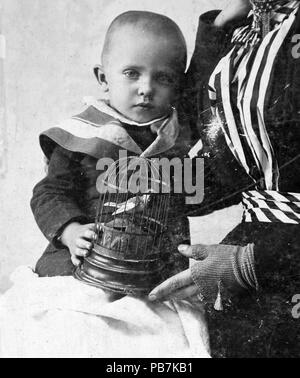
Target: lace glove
{"x":221,"y":266}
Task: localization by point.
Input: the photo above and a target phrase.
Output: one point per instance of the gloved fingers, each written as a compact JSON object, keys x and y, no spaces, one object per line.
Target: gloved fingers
{"x":196,"y":252}
{"x":202,"y":251}
{"x":186,"y":292}
{"x":206,"y":282}
{"x":185,"y":250}
{"x":225,"y":249}
{"x":171,"y":285}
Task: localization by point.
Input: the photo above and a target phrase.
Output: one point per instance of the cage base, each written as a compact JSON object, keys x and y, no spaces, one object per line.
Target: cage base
{"x":80,"y":275}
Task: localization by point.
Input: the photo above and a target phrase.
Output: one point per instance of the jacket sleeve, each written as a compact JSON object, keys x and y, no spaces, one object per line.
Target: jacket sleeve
{"x":276,"y":253}
{"x":221,"y":171}
{"x":54,"y":201}
{"x":211,"y":42}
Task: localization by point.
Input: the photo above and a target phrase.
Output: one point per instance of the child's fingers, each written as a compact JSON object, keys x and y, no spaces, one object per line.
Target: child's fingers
{"x":83,"y":244}
{"x":90,"y":226}
{"x":80,"y":252}
{"x":75,"y":260}
{"x":89,"y":234}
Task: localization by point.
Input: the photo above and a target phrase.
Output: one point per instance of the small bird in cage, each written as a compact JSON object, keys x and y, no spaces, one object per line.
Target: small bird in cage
{"x":128,"y":253}
{"x":137,"y":203}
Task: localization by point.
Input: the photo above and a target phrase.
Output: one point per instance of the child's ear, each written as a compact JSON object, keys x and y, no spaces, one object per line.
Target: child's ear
{"x":100,"y":76}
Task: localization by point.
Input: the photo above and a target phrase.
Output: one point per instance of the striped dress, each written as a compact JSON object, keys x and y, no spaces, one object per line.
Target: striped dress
{"x":245,"y":92}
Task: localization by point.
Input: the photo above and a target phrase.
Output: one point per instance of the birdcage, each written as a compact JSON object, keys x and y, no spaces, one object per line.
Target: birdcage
{"x":131,"y":222}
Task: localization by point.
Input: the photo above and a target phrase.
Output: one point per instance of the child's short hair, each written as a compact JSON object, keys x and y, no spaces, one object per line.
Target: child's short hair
{"x":147,"y":22}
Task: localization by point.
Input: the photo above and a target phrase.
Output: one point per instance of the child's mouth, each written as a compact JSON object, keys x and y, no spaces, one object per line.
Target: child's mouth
{"x":144,"y":105}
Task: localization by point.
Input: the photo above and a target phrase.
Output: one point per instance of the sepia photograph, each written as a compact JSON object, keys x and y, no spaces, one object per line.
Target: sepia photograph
{"x":149,"y":189}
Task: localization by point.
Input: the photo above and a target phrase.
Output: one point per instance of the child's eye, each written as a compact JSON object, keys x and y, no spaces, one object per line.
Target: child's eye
{"x":165,"y":79}
{"x":131,"y":74}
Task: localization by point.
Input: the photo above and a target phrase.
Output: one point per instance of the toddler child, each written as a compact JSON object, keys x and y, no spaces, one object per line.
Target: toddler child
{"x":143,"y":62}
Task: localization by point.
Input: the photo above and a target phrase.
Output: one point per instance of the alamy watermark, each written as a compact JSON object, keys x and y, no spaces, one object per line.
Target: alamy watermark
{"x":134,"y":174}
{"x":296,"y":308}
{"x":296,"y":48}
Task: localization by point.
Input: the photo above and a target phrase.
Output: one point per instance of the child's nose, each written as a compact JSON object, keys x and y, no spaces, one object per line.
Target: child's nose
{"x":146,"y":88}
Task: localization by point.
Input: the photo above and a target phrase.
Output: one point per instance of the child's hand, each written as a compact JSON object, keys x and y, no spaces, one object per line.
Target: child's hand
{"x":235,"y":10}
{"x":77,"y":237}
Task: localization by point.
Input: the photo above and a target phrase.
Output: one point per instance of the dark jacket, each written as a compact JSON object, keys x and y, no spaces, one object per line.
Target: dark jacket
{"x":68,"y":193}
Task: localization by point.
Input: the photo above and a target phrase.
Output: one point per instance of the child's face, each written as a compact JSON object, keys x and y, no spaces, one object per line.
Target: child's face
{"x":142,"y":75}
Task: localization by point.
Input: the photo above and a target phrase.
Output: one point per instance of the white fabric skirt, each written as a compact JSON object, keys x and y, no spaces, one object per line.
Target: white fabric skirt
{"x":62,"y":317}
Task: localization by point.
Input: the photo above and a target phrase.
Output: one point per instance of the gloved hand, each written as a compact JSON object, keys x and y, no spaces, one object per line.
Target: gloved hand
{"x":221,"y":266}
